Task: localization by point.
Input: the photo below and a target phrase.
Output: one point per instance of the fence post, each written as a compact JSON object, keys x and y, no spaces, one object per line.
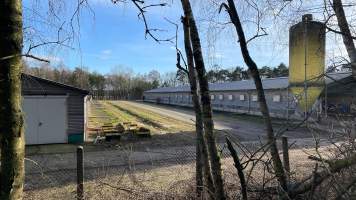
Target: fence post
{"x":80,"y":173}
{"x":353,"y":130}
{"x":285,"y":148}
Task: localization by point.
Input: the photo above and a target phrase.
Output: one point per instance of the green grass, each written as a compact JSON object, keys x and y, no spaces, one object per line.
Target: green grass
{"x":121,"y":111}
{"x":141,"y":116}
{"x":156,"y":119}
{"x":117,"y":114}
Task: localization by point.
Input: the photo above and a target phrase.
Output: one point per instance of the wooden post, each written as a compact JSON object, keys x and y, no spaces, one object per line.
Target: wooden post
{"x":285,"y":148}
{"x":80,"y":173}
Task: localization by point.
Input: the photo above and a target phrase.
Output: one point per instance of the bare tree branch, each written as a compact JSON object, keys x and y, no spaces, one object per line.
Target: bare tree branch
{"x":140,"y":5}
{"x":278,"y":167}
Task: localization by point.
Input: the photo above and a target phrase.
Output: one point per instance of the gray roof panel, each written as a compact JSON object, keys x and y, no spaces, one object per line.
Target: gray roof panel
{"x":271,"y":83}
{"x":268,"y":84}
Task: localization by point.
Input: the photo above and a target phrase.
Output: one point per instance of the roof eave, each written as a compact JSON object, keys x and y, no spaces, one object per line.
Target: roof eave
{"x":82,"y":91}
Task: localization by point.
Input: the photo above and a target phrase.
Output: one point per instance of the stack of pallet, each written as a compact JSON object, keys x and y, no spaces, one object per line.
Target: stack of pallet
{"x":110,"y":131}
{"x":103,"y":124}
{"x":115,"y":131}
{"x":135,"y":129}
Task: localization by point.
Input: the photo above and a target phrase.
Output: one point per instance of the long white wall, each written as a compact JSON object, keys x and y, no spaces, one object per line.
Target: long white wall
{"x":280,"y":103}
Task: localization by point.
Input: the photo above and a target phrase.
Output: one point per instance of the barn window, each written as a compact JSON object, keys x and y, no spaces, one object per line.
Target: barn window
{"x":242,"y":97}
{"x":254,"y":97}
{"x":212,"y":97}
{"x":221,"y":97}
{"x":230,"y":97}
{"x":276,"y":98}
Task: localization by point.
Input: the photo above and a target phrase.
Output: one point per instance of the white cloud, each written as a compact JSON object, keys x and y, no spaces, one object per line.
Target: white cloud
{"x":216,"y":55}
{"x":105,"y":54}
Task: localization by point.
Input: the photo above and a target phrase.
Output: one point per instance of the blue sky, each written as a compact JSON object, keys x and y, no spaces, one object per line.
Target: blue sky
{"x":112,"y":36}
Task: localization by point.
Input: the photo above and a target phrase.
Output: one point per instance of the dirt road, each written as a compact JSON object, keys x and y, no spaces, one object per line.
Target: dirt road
{"x":244,"y":127}
{"x":179,"y":114}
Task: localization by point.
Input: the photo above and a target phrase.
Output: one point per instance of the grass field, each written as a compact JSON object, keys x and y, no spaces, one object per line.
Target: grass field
{"x":114,"y":112}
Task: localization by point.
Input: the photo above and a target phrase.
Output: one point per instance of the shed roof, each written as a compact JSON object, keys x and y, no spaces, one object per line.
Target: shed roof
{"x":268,"y":84}
{"x":35,"y":83}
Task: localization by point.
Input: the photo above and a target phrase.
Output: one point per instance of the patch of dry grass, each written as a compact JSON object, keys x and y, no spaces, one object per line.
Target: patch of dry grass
{"x":160,"y":182}
{"x":163,"y":122}
{"x":120,"y":111}
{"x":140,"y":183}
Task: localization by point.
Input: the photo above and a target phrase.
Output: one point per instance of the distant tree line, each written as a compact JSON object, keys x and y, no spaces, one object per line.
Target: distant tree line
{"x":217,"y":74}
{"x":118,"y":84}
{"x":122,"y":83}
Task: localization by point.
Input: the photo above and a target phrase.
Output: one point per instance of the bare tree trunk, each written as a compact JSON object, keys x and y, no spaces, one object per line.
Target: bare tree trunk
{"x":317,"y":178}
{"x":206,"y":104}
{"x":346,"y":34}
{"x":278,"y":167}
{"x":202,"y":162}
{"x":239,"y":168}
{"x":11,"y":119}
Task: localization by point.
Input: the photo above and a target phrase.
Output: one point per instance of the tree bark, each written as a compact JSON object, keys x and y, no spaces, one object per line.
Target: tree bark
{"x":202,"y":162}
{"x":11,"y":119}
{"x":315,"y":180}
{"x":206,"y":103}
{"x":239,"y":168}
{"x":346,"y":34}
{"x":277,"y":164}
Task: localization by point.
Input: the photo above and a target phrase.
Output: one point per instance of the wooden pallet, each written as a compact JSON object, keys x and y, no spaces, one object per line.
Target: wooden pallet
{"x":115,"y":131}
{"x":110,"y":131}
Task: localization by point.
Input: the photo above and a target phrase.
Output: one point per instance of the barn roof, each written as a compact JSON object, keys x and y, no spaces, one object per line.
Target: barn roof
{"x":35,"y":83}
{"x":268,"y":84}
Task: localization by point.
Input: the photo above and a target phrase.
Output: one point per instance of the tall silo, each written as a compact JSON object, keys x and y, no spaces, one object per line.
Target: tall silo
{"x":306,"y":61}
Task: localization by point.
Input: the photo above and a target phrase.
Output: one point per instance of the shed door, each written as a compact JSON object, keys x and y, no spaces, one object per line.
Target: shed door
{"x":45,"y":118}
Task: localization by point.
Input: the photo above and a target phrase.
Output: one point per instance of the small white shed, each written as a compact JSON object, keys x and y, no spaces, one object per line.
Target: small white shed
{"x":54,"y":112}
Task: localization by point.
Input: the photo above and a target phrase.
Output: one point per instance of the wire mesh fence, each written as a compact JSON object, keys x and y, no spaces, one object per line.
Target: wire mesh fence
{"x":141,"y":172}
{"x":117,"y":173}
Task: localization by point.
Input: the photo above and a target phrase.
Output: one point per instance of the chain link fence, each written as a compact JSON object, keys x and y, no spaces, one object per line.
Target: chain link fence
{"x":139,"y":172}
{"x":117,"y":173}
